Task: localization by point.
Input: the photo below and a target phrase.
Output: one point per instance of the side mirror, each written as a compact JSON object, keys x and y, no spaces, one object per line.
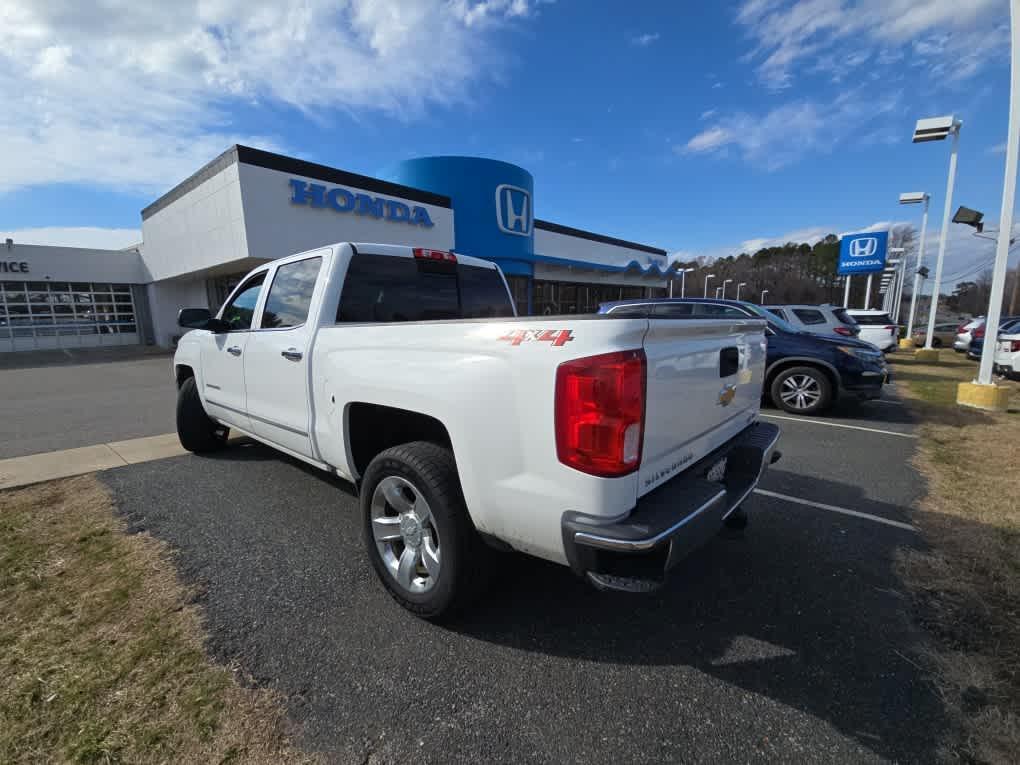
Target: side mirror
{"x":193,"y":318}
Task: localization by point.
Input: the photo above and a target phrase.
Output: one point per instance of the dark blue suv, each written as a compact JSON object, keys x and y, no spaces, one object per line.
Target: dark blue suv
{"x":804,"y":373}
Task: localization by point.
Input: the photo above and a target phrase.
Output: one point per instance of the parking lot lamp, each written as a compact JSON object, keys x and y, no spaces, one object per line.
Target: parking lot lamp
{"x":718,"y":292}
{"x":999,"y":397}
{"x":939,"y":129}
{"x":763,"y":294}
{"x":709,"y":276}
{"x":727,"y":281}
{"x":741,"y":284}
{"x":914,"y":198}
{"x":683,"y":280}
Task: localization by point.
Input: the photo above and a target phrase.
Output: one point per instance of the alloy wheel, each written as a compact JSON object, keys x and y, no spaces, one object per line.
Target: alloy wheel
{"x":405,"y":534}
{"x":800,"y":391}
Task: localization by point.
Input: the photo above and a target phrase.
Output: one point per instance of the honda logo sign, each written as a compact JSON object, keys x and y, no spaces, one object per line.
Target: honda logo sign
{"x":513,"y":210}
{"x":863,"y":253}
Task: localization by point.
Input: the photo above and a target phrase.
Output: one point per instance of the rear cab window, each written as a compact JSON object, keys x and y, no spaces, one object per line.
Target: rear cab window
{"x":385,"y":288}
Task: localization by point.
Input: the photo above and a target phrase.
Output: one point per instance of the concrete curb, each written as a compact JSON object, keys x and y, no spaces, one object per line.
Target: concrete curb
{"x":35,"y":468}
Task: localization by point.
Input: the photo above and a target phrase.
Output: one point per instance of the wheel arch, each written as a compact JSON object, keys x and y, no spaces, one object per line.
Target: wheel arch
{"x":182,"y":372}
{"x":371,"y":428}
{"x":802,"y":361}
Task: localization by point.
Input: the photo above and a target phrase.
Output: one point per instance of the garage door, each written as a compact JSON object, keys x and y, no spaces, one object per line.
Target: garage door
{"x":41,"y":315}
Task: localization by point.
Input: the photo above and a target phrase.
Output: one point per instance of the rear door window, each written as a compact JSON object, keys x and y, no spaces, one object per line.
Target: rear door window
{"x":707,"y":310}
{"x":290,"y":294}
{"x":673,"y":311}
{"x":809,"y":316}
{"x":631,"y":311}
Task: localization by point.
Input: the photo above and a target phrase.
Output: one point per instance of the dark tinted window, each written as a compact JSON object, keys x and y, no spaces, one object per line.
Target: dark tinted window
{"x":240,"y":310}
{"x":482,"y":293}
{"x":778,"y":312}
{"x":382,"y":288}
{"x":809,"y":316}
{"x":873,"y":318}
{"x":706,"y":310}
{"x":631,"y":311}
{"x":673,"y":311}
{"x":290,"y":295}
{"x":842,"y":315}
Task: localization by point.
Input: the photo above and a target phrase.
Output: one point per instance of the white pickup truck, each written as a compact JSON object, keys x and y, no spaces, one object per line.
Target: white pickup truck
{"x":614,"y":446}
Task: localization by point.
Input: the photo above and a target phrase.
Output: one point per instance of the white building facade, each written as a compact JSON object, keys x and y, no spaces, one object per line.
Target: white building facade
{"x":248,"y":206}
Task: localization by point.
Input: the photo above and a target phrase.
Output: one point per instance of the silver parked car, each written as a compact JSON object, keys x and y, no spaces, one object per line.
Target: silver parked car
{"x":818,"y":319}
{"x":964,"y":334}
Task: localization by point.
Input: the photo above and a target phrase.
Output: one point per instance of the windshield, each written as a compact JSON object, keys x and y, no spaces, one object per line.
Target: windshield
{"x":770,"y":317}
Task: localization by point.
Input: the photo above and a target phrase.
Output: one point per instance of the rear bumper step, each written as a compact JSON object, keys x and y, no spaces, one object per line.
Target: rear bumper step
{"x":672,"y":521}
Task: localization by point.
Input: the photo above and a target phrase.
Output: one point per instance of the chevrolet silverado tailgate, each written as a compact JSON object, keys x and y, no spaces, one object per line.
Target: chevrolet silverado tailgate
{"x":704,"y":386}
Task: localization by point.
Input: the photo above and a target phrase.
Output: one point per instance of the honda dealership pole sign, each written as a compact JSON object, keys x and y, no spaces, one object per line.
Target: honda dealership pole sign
{"x":863,"y":253}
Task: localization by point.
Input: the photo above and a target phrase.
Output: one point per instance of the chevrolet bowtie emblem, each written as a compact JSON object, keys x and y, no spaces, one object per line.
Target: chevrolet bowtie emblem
{"x":727,"y":394}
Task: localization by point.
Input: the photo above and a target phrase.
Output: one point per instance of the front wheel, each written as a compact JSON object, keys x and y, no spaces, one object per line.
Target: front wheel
{"x":196,"y":430}
{"x":417,"y":532}
{"x":801,"y":390}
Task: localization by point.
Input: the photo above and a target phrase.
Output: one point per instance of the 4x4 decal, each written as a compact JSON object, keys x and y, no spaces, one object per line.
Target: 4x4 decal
{"x":555,"y":336}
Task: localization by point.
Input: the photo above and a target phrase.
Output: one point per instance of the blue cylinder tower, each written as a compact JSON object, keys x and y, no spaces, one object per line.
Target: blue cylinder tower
{"x":493,"y":205}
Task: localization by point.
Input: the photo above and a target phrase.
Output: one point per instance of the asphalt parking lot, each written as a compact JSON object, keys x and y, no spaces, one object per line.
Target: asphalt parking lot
{"x":792,"y":644}
{"x":63,"y":399}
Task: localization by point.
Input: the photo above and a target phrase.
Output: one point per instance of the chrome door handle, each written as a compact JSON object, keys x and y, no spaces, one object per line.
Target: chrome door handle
{"x":291,"y":354}
{"x":234,"y":350}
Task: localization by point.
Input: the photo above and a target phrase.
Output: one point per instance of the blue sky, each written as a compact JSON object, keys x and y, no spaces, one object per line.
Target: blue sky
{"x":704,"y":128}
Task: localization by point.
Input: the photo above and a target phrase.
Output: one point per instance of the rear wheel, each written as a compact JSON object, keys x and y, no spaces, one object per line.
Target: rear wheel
{"x":936,"y":343}
{"x":801,"y":390}
{"x":417,"y":532}
{"x":195,"y":429}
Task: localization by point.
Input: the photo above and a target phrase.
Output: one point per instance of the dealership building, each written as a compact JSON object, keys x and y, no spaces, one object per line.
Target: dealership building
{"x":249,"y":206}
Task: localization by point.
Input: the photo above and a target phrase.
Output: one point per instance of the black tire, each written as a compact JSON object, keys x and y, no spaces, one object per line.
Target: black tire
{"x":432,"y":473}
{"x":813,"y":381}
{"x":936,"y":343}
{"x":196,"y":431}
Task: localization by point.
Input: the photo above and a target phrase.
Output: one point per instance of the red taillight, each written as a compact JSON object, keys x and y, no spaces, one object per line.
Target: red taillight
{"x":891,"y":327}
{"x":844,"y":331}
{"x":425,"y":254}
{"x":978,"y":333}
{"x":1014,"y":346}
{"x":600,"y":413}
{"x":961,"y":329}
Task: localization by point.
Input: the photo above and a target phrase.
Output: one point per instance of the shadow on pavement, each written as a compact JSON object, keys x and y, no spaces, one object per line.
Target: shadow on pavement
{"x":78,"y":356}
{"x":761,"y":646}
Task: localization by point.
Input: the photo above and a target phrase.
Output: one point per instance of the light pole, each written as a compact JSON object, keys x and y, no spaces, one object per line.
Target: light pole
{"x":727,"y":281}
{"x":867,"y":294}
{"x":977,"y":394}
{"x":683,"y":280}
{"x":763,"y":294}
{"x":897,"y":281}
{"x":739,"y":285}
{"x":938,"y":129}
{"x":913,"y":198}
{"x":707,"y":277}
{"x":718,"y":291}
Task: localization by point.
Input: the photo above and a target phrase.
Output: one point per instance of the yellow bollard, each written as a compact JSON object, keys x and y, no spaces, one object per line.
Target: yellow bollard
{"x":927,"y":355}
{"x":991,"y":398}
{"x":906,"y":343}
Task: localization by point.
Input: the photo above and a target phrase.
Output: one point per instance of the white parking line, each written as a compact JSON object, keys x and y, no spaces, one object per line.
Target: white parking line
{"x":806,"y":421}
{"x":835,"y":509}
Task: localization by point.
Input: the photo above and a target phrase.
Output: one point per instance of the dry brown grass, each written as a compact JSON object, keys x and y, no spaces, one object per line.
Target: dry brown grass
{"x":101,"y":656}
{"x":967,"y":585}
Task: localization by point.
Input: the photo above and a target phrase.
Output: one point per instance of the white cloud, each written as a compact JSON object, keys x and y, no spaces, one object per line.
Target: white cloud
{"x":783,"y":135}
{"x":645,"y":39}
{"x":709,"y":114}
{"x":77,"y":236}
{"x":135,"y":95}
{"x":952,"y":38}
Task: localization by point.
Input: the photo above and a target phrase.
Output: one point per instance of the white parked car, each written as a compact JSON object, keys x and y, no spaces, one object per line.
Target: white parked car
{"x":1007,"y":353}
{"x":964,"y":334}
{"x":877,"y":328}
{"x":614,"y":446}
{"x":817,"y":319}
